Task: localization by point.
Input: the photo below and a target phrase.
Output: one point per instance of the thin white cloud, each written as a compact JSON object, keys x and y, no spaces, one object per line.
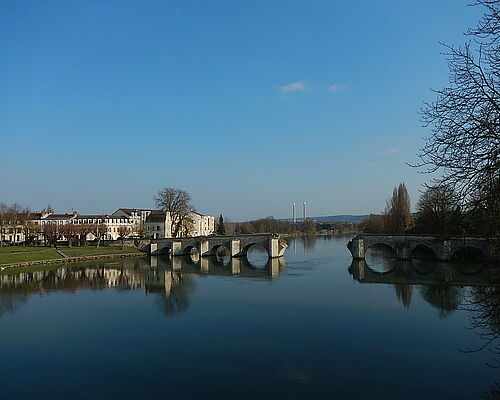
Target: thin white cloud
{"x":390,"y":152}
{"x":336,"y":87}
{"x":292,"y":87}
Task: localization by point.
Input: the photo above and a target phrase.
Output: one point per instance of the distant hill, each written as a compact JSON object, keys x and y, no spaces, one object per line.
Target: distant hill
{"x":335,"y":218}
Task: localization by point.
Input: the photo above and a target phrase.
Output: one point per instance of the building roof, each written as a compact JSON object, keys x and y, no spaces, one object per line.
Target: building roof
{"x":156,"y":217}
{"x":106,"y":216}
{"x":129,"y":211}
{"x":58,"y":217}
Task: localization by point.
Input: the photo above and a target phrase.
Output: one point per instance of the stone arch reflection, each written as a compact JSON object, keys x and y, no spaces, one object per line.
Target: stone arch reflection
{"x":441,"y":285}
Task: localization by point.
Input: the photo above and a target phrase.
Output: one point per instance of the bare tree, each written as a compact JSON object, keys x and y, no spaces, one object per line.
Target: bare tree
{"x":464,"y":145}
{"x":98,"y":230}
{"x":51,"y":234}
{"x":4,"y":212}
{"x":83,"y":231}
{"x":70,"y":232}
{"x":123,"y":232}
{"x":397,"y":213}
{"x":31,"y":231}
{"x":177,"y":203}
{"x":438,"y":210}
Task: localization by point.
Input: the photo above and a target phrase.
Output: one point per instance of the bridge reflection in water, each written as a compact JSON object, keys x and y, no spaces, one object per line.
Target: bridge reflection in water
{"x":442,"y":285}
{"x":171,"y":280}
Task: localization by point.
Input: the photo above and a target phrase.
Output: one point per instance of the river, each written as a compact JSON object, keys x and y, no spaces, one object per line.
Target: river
{"x":313,"y":325}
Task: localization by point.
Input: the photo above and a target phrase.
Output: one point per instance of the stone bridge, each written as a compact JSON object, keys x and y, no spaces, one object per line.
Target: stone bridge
{"x":440,"y":248}
{"x":237,"y":246}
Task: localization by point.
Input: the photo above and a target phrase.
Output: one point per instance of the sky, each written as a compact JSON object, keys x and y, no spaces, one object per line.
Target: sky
{"x":247,"y":105}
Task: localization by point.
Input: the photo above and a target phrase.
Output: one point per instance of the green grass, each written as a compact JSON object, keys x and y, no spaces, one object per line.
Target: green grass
{"x":17,"y":254}
{"x":22,"y":249}
{"x":39,"y":253}
{"x":80,"y":251}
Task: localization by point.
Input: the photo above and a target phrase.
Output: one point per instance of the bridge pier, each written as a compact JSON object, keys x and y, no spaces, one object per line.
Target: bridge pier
{"x":234,"y":247}
{"x":236,"y":266}
{"x":204,"y":265}
{"x":275,"y":248}
{"x":444,"y":251}
{"x":357,"y":248}
{"x":204,"y":247}
{"x":176,"y":248}
{"x":153,"y":248}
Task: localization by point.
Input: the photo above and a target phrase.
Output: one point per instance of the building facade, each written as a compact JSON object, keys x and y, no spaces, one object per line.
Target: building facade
{"x":29,"y":227}
{"x":158,"y":225}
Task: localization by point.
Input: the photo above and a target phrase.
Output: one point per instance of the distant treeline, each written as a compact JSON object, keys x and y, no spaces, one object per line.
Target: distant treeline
{"x":272,"y":225}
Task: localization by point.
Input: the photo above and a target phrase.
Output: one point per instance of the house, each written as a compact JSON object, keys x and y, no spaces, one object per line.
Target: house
{"x":158,"y":225}
{"x":137,"y":217}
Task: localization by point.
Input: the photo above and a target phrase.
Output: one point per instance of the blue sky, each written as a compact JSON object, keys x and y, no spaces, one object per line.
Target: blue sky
{"x":248,"y":105}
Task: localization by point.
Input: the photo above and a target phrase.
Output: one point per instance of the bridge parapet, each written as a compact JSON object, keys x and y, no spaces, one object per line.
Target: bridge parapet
{"x":443,"y":248}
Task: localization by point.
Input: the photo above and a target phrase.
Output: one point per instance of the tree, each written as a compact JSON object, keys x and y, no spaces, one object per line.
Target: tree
{"x":373,"y":224}
{"x":98,"y":230}
{"x":123,"y":232}
{"x":177,"y":203}
{"x":31,"y":231}
{"x":51,"y":234}
{"x":3,"y":220}
{"x":70,"y":232}
{"x":397,"y":213}
{"x":83,"y":231}
{"x":439,"y":211}
{"x":465,"y":118}
{"x":221,"y":229}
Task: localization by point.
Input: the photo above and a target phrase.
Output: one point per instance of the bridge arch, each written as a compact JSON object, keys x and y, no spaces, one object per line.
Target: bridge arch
{"x":219,"y":249}
{"x":468,"y":253}
{"x":246,"y":248}
{"x":423,"y":252}
{"x":256,"y":255}
{"x":380,"y":247}
{"x":191,"y":249}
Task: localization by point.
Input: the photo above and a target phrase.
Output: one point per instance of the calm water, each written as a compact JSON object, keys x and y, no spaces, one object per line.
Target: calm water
{"x":314,"y":325}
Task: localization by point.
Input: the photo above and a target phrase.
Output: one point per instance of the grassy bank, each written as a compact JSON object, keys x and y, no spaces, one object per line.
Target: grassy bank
{"x":18,"y":254}
{"x":81,"y":251}
{"x":11,"y":255}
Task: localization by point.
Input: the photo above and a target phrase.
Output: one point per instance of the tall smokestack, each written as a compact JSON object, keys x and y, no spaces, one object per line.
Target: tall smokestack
{"x":293,"y":212}
{"x":305,"y":215}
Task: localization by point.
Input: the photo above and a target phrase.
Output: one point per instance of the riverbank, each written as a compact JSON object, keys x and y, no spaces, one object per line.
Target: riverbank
{"x":35,"y":256}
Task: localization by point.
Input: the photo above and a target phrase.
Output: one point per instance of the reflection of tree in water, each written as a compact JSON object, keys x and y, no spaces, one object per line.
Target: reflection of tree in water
{"x":492,"y":393}
{"x":176,"y":299}
{"x":483,"y":304}
{"x":309,"y":241}
{"x":404,"y":293}
{"x":9,"y":302}
{"x":445,"y":298}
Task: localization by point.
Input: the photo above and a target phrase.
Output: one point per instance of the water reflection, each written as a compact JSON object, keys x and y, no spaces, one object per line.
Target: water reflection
{"x":442,"y":285}
{"x":170,"y":279}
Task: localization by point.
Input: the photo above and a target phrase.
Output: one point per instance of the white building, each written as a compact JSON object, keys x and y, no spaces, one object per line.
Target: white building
{"x":113,"y":224}
{"x":158,"y":225}
{"x":137,"y":217}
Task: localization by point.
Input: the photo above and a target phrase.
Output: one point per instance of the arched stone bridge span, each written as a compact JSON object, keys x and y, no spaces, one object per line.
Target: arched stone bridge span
{"x":238,"y":246}
{"x":441,"y":248}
